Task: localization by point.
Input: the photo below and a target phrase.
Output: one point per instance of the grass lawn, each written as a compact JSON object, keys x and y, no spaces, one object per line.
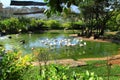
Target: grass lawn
{"x":100,"y":68}
{"x":91,"y":50}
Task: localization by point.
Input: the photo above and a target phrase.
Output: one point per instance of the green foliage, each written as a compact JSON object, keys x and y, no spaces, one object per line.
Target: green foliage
{"x":112,"y":23}
{"x":114,"y":37}
{"x":117,"y":36}
{"x":16,"y":25}
{"x":90,"y":10}
{"x":118,"y":19}
{"x":23,"y":24}
{"x":100,"y":68}
{"x":78,"y":24}
{"x":13,"y":25}
{"x":52,"y":24}
{"x":33,"y":22}
{"x":56,"y":7}
{"x":90,"y":76}
{"x":58,"y":72}
{"x":13,"y":65}
{"x":66,"y":25}
{"x":73,"y":25}
{"x":1,"y":26}
{"x":51,"y":72}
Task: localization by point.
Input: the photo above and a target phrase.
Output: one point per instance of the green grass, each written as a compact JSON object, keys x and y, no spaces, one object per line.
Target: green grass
{"x":99,"y":68}
{"x":63,"y":31}
{"x":91,"y":50}
{"x":100,"y":49}
{"x":31,"y":74}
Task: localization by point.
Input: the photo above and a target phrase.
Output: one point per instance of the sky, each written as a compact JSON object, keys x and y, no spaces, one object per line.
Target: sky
{"x":5,"y":3}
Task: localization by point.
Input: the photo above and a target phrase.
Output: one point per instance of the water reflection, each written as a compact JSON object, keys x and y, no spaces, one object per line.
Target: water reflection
{"x":36,"y":41}
{"x":30,"y":41}
{"x":57,"y":42}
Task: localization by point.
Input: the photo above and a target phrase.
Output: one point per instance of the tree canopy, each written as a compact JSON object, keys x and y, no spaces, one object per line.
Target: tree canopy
{"x":95,"y":13}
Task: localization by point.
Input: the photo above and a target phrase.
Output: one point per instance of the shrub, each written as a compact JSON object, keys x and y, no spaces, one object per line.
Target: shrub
{"x":118,"y":19}
{"x":52,"y":24}
{"x":41,"y":23}
{"x":117,"y":36}
{"x":78,"y":25}
{"x":66,"y":25}
{"x":23,"y":24}
{"x":13,"y":65}
{"x":11,"y":25}
{"x":1,"y":26}
{"x":59,"y":72}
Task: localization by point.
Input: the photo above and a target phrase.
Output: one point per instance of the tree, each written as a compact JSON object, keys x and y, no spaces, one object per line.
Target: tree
{"x":96,"y":13}
{"x":118,"y":19}
{"x":112,"y":23}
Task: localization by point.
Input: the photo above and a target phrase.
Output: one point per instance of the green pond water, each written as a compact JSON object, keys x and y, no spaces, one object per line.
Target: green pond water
{"x":27,"y":42}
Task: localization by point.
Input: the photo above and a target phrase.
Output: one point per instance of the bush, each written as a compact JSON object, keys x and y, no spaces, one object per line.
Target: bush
{"x":118,"y":19}
{"x":67,"y":25}
{"x":59,"y":72}
{"x":110,"y":36}
{"x":23,"y":24}
{"x":12,"y":65}
{"x":117,"y":36}
{"x":14,"y":25}
{"x":52,"y":24}
{"x":41,"y":24}
{"x":15,"y":67}
{"x":11,"y":25}
{"x":78,"y":25}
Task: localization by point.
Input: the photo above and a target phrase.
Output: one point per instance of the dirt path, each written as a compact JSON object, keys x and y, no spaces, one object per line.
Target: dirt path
{"x":111,"y":60}
{"x":89,"y":39}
